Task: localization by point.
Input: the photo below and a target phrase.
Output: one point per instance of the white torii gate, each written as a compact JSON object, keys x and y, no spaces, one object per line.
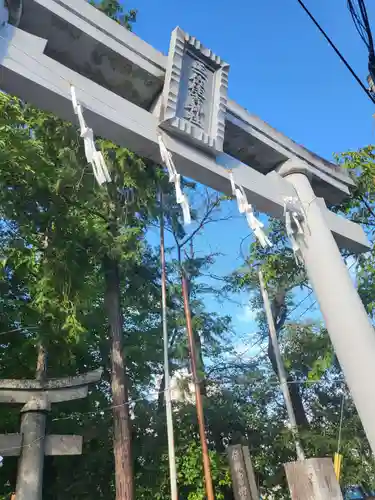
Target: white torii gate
{"x":130,"y":92}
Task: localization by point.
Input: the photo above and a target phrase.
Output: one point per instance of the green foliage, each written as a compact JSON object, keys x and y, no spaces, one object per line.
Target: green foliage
{"x":57,"y":227}
{"x":116,"y":11}
{"x":361,"y":208}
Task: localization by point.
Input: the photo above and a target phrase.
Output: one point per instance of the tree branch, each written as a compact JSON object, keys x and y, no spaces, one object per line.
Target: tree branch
{"x":367,"y":206}
{"x":87,"y":210}
{"x":202,"y":222}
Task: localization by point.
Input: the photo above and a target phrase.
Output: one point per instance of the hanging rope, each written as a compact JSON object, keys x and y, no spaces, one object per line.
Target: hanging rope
{"x":94,"y":157}
{"x":176,"y":179}
{"x":293,"y":217}
{"x":245,"y":208}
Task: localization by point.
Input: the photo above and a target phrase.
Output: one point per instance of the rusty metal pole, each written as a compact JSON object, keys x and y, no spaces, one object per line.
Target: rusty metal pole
{"x":198,"y":395}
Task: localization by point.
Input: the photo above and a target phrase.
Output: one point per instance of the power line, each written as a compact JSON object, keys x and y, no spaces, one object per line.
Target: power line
{"x":313,"y":303}
{"x":307,"y":309}
{"x":157,"y":393}
{"x":299,"y":304}
{"x":362,"y":24}
{"x":355,"y":76}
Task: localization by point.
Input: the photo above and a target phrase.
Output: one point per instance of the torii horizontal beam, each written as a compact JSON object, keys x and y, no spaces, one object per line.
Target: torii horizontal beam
{"x":56,"y":390}
{"x":44,"y":82}
{"x":52,"y":383}
{"x":54,"y":445}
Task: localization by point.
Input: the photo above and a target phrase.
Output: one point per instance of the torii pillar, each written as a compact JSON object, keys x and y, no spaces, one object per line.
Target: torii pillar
{"x":345,"y":317}
{"x":32,"y":444}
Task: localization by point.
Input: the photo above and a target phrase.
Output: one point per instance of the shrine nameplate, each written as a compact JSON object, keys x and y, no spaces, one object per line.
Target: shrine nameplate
{"x":195,"y":93}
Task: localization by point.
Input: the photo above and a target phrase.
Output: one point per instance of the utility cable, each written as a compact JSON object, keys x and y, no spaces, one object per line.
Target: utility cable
{"x":348,"y":66}
{"x":299,"y":304}
{"x":362,"y":24}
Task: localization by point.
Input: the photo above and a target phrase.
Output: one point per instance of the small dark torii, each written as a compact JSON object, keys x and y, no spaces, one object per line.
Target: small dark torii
{"x":32,"y":444}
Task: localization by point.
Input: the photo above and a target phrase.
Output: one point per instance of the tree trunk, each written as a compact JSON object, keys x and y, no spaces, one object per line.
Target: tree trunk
{"x":121,"y":417}
{"x":279,"y":317}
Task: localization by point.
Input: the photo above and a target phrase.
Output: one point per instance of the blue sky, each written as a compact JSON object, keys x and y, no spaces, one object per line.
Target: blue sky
{"x":282,"y":70}
{"x":281,"y":67}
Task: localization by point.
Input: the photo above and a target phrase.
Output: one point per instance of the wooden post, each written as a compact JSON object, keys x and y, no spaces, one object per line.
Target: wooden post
{"x":313,"y":479}
{"x":243,"y":479}
{"x":250,"y":472}
{"x":281,"y":369}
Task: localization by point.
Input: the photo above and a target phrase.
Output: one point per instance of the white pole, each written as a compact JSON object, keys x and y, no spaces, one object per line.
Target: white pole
{"x":168,"y":401}
{"x":281,"y":369}
{"x":348,"y":325}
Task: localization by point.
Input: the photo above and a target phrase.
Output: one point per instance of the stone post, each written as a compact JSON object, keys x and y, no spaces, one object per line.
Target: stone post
{"x":32,"y":444}
{"x":243,"y":479}
{"x":31,"y":462}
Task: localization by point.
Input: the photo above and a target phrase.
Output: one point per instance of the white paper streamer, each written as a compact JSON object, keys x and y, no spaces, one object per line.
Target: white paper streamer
{"x":93,"y":156}
{"x":176,"y":179}
{"x":245,"y":208}
{"x":293,"y":217}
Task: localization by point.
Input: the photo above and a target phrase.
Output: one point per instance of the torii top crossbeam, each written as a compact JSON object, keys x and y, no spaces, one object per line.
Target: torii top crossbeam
{"x":119,"y":81}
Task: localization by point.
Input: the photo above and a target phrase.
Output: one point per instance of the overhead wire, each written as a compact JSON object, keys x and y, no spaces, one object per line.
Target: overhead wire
{"x":337,"y":51}
{"x":157,"y":393}
{"x":238,"y":356}
{"x":315,"y":301}
{"x":299,"y":304}
{"x":146,"y":398}
{"x":361,"y":22}
{"x":307,"y":310}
